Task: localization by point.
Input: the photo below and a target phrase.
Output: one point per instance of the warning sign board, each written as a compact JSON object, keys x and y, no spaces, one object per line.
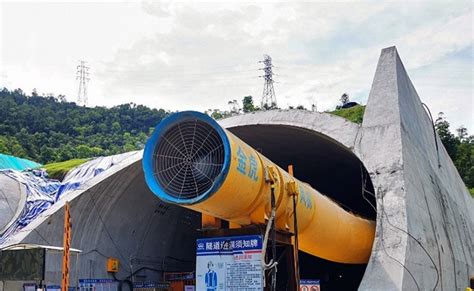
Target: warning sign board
{"x":98,"y":285}
{"x":309,"y":285}
{"x":229,"y":263}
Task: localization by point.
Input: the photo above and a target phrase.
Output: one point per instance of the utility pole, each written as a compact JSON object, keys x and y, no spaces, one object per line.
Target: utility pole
{"x":82,"y":74}
{"x":66,"y":248}
{"x":268,"y":97}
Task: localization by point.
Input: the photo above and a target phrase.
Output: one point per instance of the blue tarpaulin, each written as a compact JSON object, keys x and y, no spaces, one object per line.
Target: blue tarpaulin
{"x":14,"y":163}
{"x":42,"y":192}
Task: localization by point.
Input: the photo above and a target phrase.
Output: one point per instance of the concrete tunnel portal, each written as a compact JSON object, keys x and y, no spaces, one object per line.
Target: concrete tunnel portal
{"x":327,"y":166}
{"x":155,"y":226}
{"x":421,"y":239}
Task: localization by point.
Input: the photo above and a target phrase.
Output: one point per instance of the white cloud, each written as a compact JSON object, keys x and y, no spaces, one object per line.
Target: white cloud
{"x":181,"y":55}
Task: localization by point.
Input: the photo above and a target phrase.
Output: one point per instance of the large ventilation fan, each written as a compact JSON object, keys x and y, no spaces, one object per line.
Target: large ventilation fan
{"x":188,"y":158}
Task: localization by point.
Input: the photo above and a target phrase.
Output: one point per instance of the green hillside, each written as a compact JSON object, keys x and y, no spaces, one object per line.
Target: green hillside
{"x":47,"y":129}
{"x":354,"y":114}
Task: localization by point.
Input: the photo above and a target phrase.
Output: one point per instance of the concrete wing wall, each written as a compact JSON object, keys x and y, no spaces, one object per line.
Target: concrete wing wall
{"x":425,"y":218}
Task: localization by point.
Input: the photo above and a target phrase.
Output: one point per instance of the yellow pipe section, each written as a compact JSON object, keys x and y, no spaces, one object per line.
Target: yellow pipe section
{"x":325,"y":229}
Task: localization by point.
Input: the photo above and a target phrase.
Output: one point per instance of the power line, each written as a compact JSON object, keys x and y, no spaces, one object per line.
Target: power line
{"x":82,"y":74}
{"x":268,"y":96}
{"x":185,"y":76}
{"x":219,"y":77}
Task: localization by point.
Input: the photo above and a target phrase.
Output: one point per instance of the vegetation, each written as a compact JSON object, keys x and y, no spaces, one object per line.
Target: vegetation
{"x":354,"y":114}
{"x":60,"y":169}
{"x":247,"y":106}
{"x":460,"y":148}
{"x":49,"y":129}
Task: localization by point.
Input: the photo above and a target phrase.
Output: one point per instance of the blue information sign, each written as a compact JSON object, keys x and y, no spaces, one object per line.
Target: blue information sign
{"x":229,"y":263}
{"x":309,"y":285}
{"x":98,"y":285}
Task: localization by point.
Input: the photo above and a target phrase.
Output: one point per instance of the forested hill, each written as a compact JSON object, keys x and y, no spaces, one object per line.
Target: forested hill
{"x":47,"y":129}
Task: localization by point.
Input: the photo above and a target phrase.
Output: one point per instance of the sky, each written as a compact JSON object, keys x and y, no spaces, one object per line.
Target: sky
{"x":182,"y":55}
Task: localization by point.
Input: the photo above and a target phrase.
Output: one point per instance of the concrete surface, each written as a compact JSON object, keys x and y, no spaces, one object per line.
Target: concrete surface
{"x":115,"y":215}
{"x":12,"y":201}
{"x":425,"y":221}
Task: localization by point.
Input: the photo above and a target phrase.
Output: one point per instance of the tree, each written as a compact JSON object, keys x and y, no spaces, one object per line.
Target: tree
{"x":116,"y":126}
{"x":47,"y":154}
{"x":462,"y":132}
{"x":97,"y":151}
{"x":83,"y":151}
{"x":3,"y":145}
{"x":129,"y":147}
{"x":217,"y":113}
{"x":17,"y":150}
{"x":247,"y":104}
{"x":61,"y":98}
{"x":65,"y":152}
{"x":460,"y":148}
{"x":270,"y":107}
{"x":234,"y":107}
{"x":344,"y":99}
{"x":464,"y":162}
{"x":447,"y":138}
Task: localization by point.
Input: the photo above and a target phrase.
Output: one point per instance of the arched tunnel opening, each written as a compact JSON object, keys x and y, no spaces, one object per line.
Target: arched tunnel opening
{"x":333,"y":170}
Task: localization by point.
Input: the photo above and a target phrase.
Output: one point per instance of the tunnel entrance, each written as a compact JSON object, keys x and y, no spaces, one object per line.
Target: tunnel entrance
{"x":328,"y":167}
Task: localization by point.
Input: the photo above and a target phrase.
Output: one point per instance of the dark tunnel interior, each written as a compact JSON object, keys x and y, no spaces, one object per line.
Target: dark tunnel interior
{"x":330,"y":168}
{"x":318,"y":160}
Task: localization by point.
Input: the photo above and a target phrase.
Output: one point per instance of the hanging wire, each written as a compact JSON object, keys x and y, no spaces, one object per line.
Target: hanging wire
{"x":364,"y":190}
{"x":434,"y":132}
{"x":105,"y":226}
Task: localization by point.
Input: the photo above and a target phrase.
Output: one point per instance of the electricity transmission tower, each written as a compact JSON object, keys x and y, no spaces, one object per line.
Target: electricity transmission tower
{"x":82,"y":74}
{"x":268,"y":97}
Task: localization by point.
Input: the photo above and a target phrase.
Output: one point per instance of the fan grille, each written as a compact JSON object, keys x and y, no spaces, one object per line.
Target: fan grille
{"x":188,"y":158}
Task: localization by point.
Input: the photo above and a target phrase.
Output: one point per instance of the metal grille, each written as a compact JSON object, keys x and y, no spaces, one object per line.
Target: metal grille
{"x":188,"y":158}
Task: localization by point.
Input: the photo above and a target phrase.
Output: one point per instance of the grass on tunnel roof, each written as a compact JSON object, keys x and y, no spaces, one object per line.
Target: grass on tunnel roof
{"x":60,"y":169}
